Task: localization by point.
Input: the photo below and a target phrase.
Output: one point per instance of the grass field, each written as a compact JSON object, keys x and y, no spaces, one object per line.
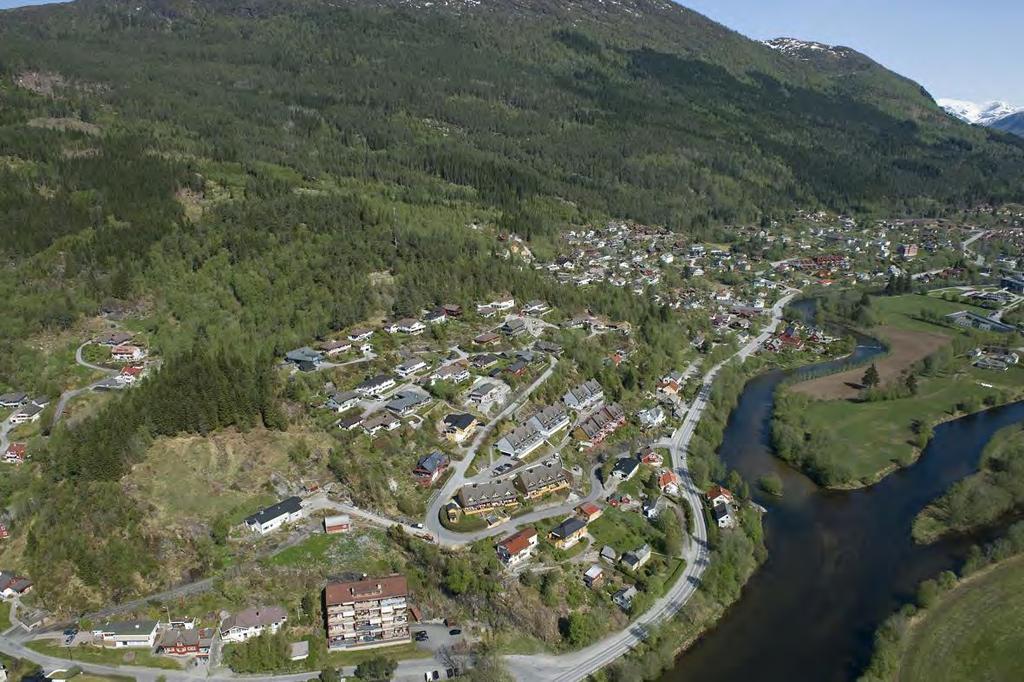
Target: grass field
{"x":871,"y":436}
{"x":105,"y":656}
{"x":901,"y":311}
{"x":624,"y":531}
{"x":974,"y":634}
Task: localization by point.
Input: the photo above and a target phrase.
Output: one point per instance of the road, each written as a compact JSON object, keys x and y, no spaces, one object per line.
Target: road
{"x":432,"y":522}
{"x":68,"y":396}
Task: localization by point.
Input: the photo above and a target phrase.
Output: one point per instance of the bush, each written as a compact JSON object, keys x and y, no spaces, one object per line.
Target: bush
{"x":771,"y":484}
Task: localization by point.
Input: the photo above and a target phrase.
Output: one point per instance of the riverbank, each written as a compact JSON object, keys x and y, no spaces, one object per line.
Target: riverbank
{"x":993,"y":492}
{"x":965,"y":628}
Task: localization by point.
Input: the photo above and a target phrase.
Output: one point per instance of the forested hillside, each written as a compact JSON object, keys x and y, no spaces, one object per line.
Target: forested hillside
{"x":248,"y":176}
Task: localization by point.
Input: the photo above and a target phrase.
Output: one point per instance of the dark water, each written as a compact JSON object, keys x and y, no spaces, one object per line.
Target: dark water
{"x":839,"y":562}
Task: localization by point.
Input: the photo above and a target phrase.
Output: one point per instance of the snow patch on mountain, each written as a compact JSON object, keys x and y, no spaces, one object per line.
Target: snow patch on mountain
{"x":805,"y":49}
{"x":982,"y":114}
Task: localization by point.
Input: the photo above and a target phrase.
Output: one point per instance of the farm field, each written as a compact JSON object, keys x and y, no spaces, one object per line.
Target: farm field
{"x":975,"y":633}
{"x":906,"y":347}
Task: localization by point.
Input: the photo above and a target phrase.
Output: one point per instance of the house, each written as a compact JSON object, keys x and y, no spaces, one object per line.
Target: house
{"x":27,"y":413}
{"x":593,"y":577}
{"x":304,"y":356}
{"x":669,"y":481}
{"x":486,"y":339}
{"x":382,"y":421}
{"x":636,"y":559}
{"x":486,"y":395}
{"x":651,"y":509}
{"x":273,"y":517}
{"x":484,"y":360}
{"x":16,"y":453}
{"x":406,"y":325}
{"x":456,"y":373}
{"x":452,"y":310}
{"x":536,"y":307}
{"x":717,"y":495}
{"x":459,"y":426}
{"x":407,"y":402}
{"x":517,"y":548}
{"x":589,"y":512}
{"x":514,"y":327}
{"x":410,"y":367}
{"x":350,"y":422}
{"x":543,"y":479}
{"x":624,"y":597}
{"x":651,"y":418}
{"x":651,"y":458}
{"x":430,"y":467}
{"x":966,"y":318}
{"x":625,"y":468}
{"x":12,"y":585}
{"x":370,"y":612}
{"x":517,"y":368}
{"x":520,"y":442}
{"x":436,"y":316}
{"x":252,"y":622}
{"x":503,"y":303}
{"x":124,"y":634}
{"x":338,"y":523}
{"x":608,"y":554}
{"x":604,"y":422}
{"x":548,"y":347}
{"x":568,"y":533}
{"x":376,"y":386}
{"x":583,"y":397}
{"x":334,"y":348}
{"x":342,"y":401}
{"x":550,"y":420}
{"x":129,"y":375}
{"x":185,"y":642}
{"x":478,"y":498}
{"x":114,"y":339}
{"x":16,"y":399}
{"x":360,"y":334}
{"x":722,"y":512}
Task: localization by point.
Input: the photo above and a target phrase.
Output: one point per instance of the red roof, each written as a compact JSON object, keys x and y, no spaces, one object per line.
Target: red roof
{"x":589,"y":509}
{"x":366,"y":589}
{"x":717,"y":490}
{"x":519,"y":542}
{"x":132,"y":371}
{"x":668,"y":478}
{"x":17,"y":450}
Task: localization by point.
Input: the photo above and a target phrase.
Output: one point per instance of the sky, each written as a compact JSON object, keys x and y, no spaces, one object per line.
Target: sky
{"x":954,"y":48}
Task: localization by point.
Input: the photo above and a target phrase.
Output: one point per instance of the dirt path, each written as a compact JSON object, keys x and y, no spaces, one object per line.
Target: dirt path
{"x":906,"y":347}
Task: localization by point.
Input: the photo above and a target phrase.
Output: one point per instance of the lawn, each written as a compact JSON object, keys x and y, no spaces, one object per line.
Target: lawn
{"x":869,"y":437}
{"x":104,"y":656}
{"x":360,"y":550}
{"x":900,"y":311}
{"x":622,"y":530}
{"x":974,"y":633}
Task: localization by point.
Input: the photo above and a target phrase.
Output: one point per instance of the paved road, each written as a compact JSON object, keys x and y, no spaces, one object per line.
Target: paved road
{"x":432,"y":522}
{"x":68,"y":396}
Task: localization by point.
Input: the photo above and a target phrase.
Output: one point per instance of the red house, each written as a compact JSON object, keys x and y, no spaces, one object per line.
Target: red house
{"x":16,"y":453}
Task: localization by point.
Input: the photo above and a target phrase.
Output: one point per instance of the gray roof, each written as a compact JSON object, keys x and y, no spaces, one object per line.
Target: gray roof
{"x":568,"y":527}
{"x":304,"y":354}
{"x":288,"y":506}
{"x":540,"y":475}
{"x":255,"y":616}
{"x":129,"y":627}
{"x":17,"y":397}
{"x":408,"y":400}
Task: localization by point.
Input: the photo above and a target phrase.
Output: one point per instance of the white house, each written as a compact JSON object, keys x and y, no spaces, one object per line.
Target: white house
{"x":28,"y":413}
{"x":136,"y":634}
{"x":410,"y":367}
{"x":270,"y":519}
{"x":550,"y":420}
{"x":584,"y":396}
{"x":126,"y":353}
{"x":252,"y":622}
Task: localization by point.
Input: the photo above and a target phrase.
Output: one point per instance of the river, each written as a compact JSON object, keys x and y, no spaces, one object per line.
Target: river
{"x":838,"y":562}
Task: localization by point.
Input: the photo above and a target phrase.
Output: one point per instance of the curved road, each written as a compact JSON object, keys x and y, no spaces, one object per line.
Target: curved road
{"x":68,"y":396}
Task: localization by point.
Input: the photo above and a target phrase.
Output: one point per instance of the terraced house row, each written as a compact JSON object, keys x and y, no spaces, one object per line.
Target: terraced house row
{"x":531,"y":483}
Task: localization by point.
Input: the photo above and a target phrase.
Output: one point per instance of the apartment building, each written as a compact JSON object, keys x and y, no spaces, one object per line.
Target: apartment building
{"x":371,"y":612}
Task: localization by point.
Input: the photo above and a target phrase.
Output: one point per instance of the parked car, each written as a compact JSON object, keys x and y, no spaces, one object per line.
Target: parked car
{"x":455,"y":632}
{"x":421,"y":636}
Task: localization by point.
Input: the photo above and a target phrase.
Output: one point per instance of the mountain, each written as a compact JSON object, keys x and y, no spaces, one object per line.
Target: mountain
{"x":1012,"y":123}
{"x":984,"y":114}
{"x":241,"y":177}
